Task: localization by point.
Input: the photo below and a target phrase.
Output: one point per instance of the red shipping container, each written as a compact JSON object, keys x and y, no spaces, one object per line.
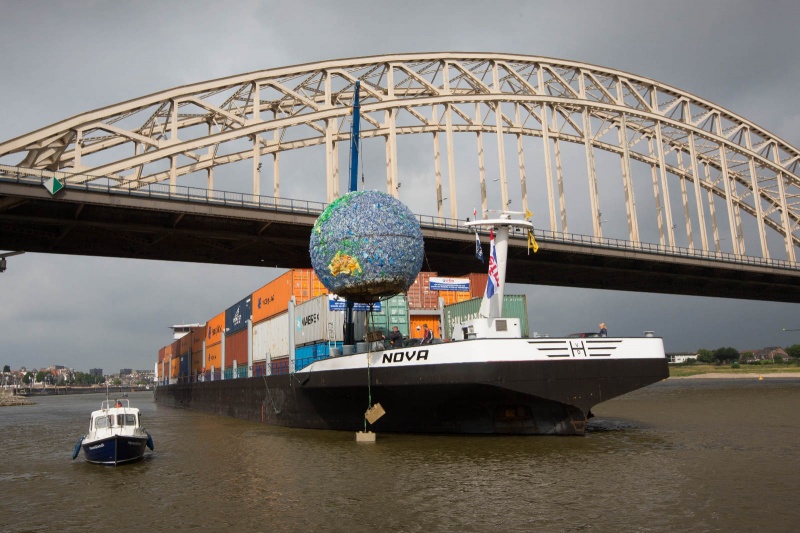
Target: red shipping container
{"x":185,"y":344}
{"x":236,"y":349}
{"x":420,"y":295}
{"x":477,"y":285}
{"x":197,"y":363}
{"x":198,"y":336}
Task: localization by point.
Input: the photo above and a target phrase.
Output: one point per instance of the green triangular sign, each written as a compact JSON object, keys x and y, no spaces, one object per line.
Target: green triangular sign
{"x":53,"y":185}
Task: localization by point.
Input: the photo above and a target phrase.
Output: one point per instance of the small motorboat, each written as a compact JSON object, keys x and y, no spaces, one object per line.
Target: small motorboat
{"x":115,"y":435}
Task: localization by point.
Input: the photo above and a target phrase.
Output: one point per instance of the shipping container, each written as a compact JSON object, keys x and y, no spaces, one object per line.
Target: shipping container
{"x":184,"y":365}
{"x":237,"y":315}
{"x":214,"y":356}
{"x":394,"y":312}
{"x":315,"y":322}
{"x":477,"y":284}
{"x":196,"y":363}
{"x":214,"y":329}
{"x":514,"y":306}
{"x":273,"y":298}
{"x":236,"y":348}
{"x":161,"y":352}
{"x":303,"y":356}
{"x":323,"y":349}
{"x":185,"y":344}
{"x":260,"y":369}
{"x":167,"y":352}
{"x":420,"y":296}
{"x":176,"y":349}
{"x":453,"y":297}
{"x":175,"y":368}
{"x":198,"y":335}
{"x":418,"y":321}
{"x":280,"y":366}
{"x":271,"y":337}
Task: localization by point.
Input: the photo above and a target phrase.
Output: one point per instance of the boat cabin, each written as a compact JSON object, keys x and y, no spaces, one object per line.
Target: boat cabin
{"x":115,"y":414}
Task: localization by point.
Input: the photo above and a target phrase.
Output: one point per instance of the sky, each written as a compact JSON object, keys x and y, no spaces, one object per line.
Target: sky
{"x":60,"y":59}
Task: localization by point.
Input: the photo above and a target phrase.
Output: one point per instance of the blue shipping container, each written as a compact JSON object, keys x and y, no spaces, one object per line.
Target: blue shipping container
{"x":237,"y":315}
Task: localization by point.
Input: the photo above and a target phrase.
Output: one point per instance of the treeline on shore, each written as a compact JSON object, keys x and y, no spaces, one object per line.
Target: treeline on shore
{"x":732,"y":356}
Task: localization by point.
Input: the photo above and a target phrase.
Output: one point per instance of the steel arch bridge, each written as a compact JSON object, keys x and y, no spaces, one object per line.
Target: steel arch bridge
{"x":685,"y":172}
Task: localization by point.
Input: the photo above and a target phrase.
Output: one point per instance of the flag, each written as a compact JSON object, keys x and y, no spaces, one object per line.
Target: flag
{"x":528,"y":214}
{"x":532,"y":244}
{"x":474,"y":214}
{"x":478,"y":248}
{"x":490,"y":305}
{"x":494,"y":275}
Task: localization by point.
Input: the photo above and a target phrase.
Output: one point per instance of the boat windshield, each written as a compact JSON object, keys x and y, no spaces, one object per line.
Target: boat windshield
{"x":126,"y":420}
{"x":102,"y":422}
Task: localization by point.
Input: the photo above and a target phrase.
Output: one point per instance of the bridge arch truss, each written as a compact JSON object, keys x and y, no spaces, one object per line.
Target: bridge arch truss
{"x":696,"y":157}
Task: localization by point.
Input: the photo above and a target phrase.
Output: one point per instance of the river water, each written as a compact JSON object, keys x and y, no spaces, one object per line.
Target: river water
{"x":681,"y":455}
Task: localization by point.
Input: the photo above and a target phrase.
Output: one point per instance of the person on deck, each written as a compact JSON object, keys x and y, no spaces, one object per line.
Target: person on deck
{"x":396,"y":338}
{"x":603,"y":330}
{"x":427,"y":335}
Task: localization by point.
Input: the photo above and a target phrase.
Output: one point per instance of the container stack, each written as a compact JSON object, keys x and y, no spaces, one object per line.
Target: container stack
{"x":225,"y":347}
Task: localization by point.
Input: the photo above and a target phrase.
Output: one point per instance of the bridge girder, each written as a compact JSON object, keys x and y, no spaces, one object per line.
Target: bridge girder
{"x":166,"y":136}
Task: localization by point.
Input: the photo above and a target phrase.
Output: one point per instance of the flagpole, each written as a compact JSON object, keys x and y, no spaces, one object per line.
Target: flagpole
{"x":501,"y":226}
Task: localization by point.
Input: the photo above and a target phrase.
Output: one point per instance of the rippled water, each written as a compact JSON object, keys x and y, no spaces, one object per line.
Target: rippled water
{"x":682,"y":455}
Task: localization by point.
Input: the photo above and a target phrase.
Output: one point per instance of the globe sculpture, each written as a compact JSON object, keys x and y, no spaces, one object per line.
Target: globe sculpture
{"x":366,"y":245}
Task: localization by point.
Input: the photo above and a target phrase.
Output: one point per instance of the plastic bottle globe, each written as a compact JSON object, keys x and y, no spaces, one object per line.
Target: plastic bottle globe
{"x":366,"y":245}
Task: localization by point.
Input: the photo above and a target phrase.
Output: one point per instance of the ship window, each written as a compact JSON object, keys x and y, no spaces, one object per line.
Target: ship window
{"x":101,"y":422}
{"x":500,"y":325}
{"x":130,"y":420}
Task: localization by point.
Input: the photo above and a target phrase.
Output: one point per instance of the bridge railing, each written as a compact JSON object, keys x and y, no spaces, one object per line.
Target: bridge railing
{"x":269,"y":203}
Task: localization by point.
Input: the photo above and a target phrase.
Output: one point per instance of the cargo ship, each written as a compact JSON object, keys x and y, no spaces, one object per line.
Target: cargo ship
{"x":302,"y":367}
{"x":484,"y":377}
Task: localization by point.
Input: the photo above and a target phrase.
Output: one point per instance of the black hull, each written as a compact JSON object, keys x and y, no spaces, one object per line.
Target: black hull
{"x":114,"y":450}
{"x":512,"y":398}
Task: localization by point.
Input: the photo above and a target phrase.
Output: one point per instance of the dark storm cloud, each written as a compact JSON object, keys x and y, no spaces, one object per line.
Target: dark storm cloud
{"x":64,"y":58}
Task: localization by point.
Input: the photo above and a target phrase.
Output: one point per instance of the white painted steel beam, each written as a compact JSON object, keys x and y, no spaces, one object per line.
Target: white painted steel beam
{"x":155,"y":138}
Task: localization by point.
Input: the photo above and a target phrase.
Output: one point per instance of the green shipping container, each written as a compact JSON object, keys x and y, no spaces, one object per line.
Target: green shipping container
{"x":394,"y":312}
{"x":514,"y":306}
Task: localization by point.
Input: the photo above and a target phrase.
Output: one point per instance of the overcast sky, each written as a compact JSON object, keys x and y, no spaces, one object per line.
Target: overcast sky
{"x":62,"y":58}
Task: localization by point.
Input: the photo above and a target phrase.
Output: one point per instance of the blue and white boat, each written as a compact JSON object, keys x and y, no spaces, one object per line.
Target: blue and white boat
{"x":115,"y":435}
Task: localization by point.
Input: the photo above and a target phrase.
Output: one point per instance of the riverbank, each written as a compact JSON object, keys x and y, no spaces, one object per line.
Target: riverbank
{"x":9,"y":400}
{"x":728,"y":372}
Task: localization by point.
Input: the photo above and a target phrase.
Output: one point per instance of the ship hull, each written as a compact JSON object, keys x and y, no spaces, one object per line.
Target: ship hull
{"x":541,"y":396}
{"x":115,"y":450}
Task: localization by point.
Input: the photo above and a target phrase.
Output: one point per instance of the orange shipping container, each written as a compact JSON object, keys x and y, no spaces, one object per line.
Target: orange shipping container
{"x":420,"y":295}
{"x":453,"y":297}
{"x":161,"y":354}
{"x":420,"y":321}
{"x":273,"y":298}
{"x":236,"y":349}
{"x":167,"y":352}
{"x":214,"y":329}
{"x":214,"y":356}
{"x":175,"y":368}
{"x":176,"y":349}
